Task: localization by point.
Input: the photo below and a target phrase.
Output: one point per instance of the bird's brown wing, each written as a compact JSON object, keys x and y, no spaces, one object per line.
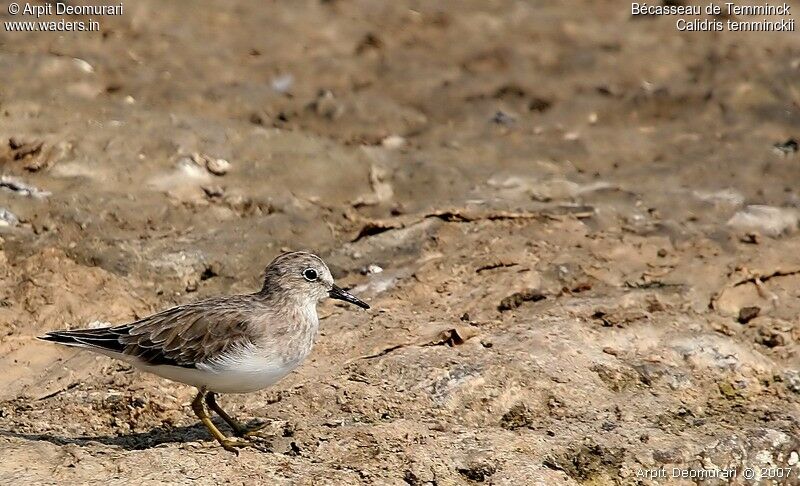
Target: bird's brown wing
{"x":180,"y":336}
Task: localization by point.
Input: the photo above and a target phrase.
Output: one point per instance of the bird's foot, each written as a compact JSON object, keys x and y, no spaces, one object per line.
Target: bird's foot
{"x":253,"y":432}
{"x":233,"y":445}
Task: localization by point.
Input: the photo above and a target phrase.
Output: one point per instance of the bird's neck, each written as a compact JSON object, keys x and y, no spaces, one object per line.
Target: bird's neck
{"x":302,"y":325}
{"x":305,"y":315}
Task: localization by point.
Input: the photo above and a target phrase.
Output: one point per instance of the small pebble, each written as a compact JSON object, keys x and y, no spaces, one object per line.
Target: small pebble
{"x":217,"y":167}
{"x":213,"y":191}
{"x":393,"y":142}
{"x":283,"y":83}
{"x":371,"y":269}
{"x":83,"y":65}
{"x":751,"y":238}
{"x":789,"y":147}
{"x":503,"y":118}
{"x":15,"y":185}
{"x":747,"y":314}
{"x":7,"y":218}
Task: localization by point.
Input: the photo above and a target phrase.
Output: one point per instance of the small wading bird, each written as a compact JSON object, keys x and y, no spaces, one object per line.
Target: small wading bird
{"x":232,"y":344}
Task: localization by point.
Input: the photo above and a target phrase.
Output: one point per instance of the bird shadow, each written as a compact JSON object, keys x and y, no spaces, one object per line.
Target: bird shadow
{"x":133,"y":441}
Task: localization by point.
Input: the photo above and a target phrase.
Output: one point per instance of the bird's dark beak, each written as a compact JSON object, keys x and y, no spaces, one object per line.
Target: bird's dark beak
{"x":341,"y":294}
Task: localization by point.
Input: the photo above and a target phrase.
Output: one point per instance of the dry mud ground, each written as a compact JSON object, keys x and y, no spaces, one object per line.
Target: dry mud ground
{"x":588,"y":243}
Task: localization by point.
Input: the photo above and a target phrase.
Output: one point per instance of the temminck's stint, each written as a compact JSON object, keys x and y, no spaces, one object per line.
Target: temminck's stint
{"x":233,"y":344}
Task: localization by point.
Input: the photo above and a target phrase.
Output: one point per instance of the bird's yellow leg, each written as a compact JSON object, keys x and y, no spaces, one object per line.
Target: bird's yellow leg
{"x":227,"y":443}
{"x":238,"y":429}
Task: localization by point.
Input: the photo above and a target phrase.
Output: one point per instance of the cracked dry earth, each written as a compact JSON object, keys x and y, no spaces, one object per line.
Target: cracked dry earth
{"x":575,"y":229}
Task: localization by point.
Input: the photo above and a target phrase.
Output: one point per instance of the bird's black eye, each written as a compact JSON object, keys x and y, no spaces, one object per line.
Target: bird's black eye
{"x":310,"y":274}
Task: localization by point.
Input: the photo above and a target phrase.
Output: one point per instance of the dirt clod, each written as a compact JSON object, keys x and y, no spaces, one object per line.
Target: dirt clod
{"x":518,"y":416}
{"x":588,"y":460}
{"x":747,"y":314}
{"x":477,"y":471}
{"x":518,"y":298}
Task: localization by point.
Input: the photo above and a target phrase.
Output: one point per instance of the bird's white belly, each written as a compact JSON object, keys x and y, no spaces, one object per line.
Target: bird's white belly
{"x":240,"y":372}
{"x":221,"y":381}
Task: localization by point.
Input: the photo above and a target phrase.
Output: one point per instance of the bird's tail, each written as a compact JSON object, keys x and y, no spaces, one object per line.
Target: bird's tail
{"x":104,"y":338}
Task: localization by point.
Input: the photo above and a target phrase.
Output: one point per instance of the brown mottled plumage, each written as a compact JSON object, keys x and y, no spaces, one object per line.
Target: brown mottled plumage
{"x":233,"y":344}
